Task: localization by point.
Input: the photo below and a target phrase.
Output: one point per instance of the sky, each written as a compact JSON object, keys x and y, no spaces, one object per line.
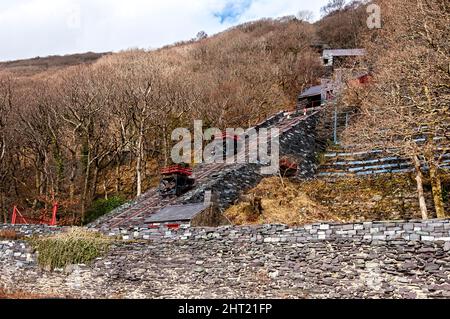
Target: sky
{"x":31,"y":28}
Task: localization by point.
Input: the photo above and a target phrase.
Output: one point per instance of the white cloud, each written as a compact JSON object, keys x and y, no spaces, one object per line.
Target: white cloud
{"x":30,"y":28}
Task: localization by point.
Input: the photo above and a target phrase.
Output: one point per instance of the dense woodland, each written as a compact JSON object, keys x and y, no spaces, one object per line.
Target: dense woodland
{"x":95,"y":127}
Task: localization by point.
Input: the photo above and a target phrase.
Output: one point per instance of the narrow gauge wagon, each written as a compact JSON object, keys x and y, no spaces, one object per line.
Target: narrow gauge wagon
{"x":176,"y":180}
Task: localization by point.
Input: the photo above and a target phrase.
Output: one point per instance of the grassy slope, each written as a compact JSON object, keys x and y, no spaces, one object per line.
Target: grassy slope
{"x":345,"y":200}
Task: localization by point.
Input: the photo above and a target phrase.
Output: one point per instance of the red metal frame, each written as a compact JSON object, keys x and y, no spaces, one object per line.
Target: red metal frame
{"x":173,"y":226}
{"x":19,"y":219}
{"x":286,"y":165}
{"x":226,"y":136}
{"x":176,"y":169}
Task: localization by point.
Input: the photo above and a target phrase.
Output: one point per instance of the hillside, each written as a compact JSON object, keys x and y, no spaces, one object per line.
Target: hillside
{"x":349,"y":198}
{"x":36,"y":65}
{"x":67,"y":108}
{"x":95,"y":127}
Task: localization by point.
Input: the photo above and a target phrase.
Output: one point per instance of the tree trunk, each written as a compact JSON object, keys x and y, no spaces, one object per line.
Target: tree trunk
{"x":421,"y":193}
{"x":38,"y":186}
{"x":46,"y":178}
{"x":3,"y":208}
{"x":437,"y":190}
{"x":72,"y":181}
{"x":94,"y":181}
{"x":165,"y":146}
{"x":85,"y":188}
{"x":118,"y":178}
{"x":139,"y":164}
{"x":105,"y":188}
{"x":59,"y":172}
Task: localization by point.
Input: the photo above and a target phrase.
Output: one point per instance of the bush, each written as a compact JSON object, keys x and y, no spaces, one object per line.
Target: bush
{"x":76,"y":246}
{"x":101,"y":207}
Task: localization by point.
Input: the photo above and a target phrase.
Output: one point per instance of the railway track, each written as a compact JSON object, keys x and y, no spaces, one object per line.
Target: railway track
{"x":135,"y":215}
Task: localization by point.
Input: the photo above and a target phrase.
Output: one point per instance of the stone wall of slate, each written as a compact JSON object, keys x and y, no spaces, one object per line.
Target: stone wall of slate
{"x":302,"y":143}
{"x":370,"y":163}
{"x":31,"y":230}
{"x":414,"y":230}
{"x":282,"y":263}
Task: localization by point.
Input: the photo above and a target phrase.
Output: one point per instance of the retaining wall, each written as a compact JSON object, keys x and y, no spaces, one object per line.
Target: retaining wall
{"x":417,"y":230}
{"x":413,"y":230}
{"x":236,"y":263}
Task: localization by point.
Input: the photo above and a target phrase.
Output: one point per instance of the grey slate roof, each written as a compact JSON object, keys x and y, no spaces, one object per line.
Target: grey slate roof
{"x":344,"y":52}
{"x":177,"y":213}
{"x":315,"y":90}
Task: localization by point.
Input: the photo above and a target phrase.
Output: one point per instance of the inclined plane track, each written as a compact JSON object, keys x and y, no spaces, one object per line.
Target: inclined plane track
{"x":152,"y":201}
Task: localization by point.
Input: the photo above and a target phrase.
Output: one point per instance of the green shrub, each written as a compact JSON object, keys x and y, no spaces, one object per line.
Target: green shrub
{"x":76,"y":246}
{"x":101,"y":207}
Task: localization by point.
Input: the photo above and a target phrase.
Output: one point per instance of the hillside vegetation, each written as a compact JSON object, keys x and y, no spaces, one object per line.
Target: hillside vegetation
{"x":104,"y":127}
{"x":45,"y":64}
{"x":80,"y":128}
{"x":275,"y":200}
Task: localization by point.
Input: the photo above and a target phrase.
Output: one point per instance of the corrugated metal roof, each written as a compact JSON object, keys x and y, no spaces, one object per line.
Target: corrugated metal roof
{"x":344,"y":52}
{"x":176,"y":213}
{"x":315,"y":90}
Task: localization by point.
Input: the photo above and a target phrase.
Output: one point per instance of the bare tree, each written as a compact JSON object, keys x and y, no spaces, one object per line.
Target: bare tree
{"x":406,"y":110}
{"x":201,"y":35}
{"x":74,"y":127}
{"x":333,"y":6}
{"x":305,"y":15}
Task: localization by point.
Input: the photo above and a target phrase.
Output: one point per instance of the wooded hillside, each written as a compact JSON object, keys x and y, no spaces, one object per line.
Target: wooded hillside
{"x":83,"y":132}
{"x":81,"y":128}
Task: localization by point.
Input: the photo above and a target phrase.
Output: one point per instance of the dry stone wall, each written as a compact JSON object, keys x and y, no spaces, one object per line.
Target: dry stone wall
{"x":366,"y":260}
{"x":32,"y":230}
{"x":415,"y":230}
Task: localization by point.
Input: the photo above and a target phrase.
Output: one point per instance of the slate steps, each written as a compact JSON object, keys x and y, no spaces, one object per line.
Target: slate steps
{"x":363,"y":163}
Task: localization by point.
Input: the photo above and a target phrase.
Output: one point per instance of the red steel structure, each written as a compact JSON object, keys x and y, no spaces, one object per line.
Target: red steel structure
{"x":226,"y":136}
{"x":288,"y":167}
{"x":19,"y":219}
{"x":177,"y":169}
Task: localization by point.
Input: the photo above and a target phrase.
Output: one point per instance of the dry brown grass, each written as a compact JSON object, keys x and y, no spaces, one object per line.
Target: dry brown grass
{"x":23,"y":295}
{"x":9,"y":234}
{"x":282,"y":202}
{"x":387,"y":197}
